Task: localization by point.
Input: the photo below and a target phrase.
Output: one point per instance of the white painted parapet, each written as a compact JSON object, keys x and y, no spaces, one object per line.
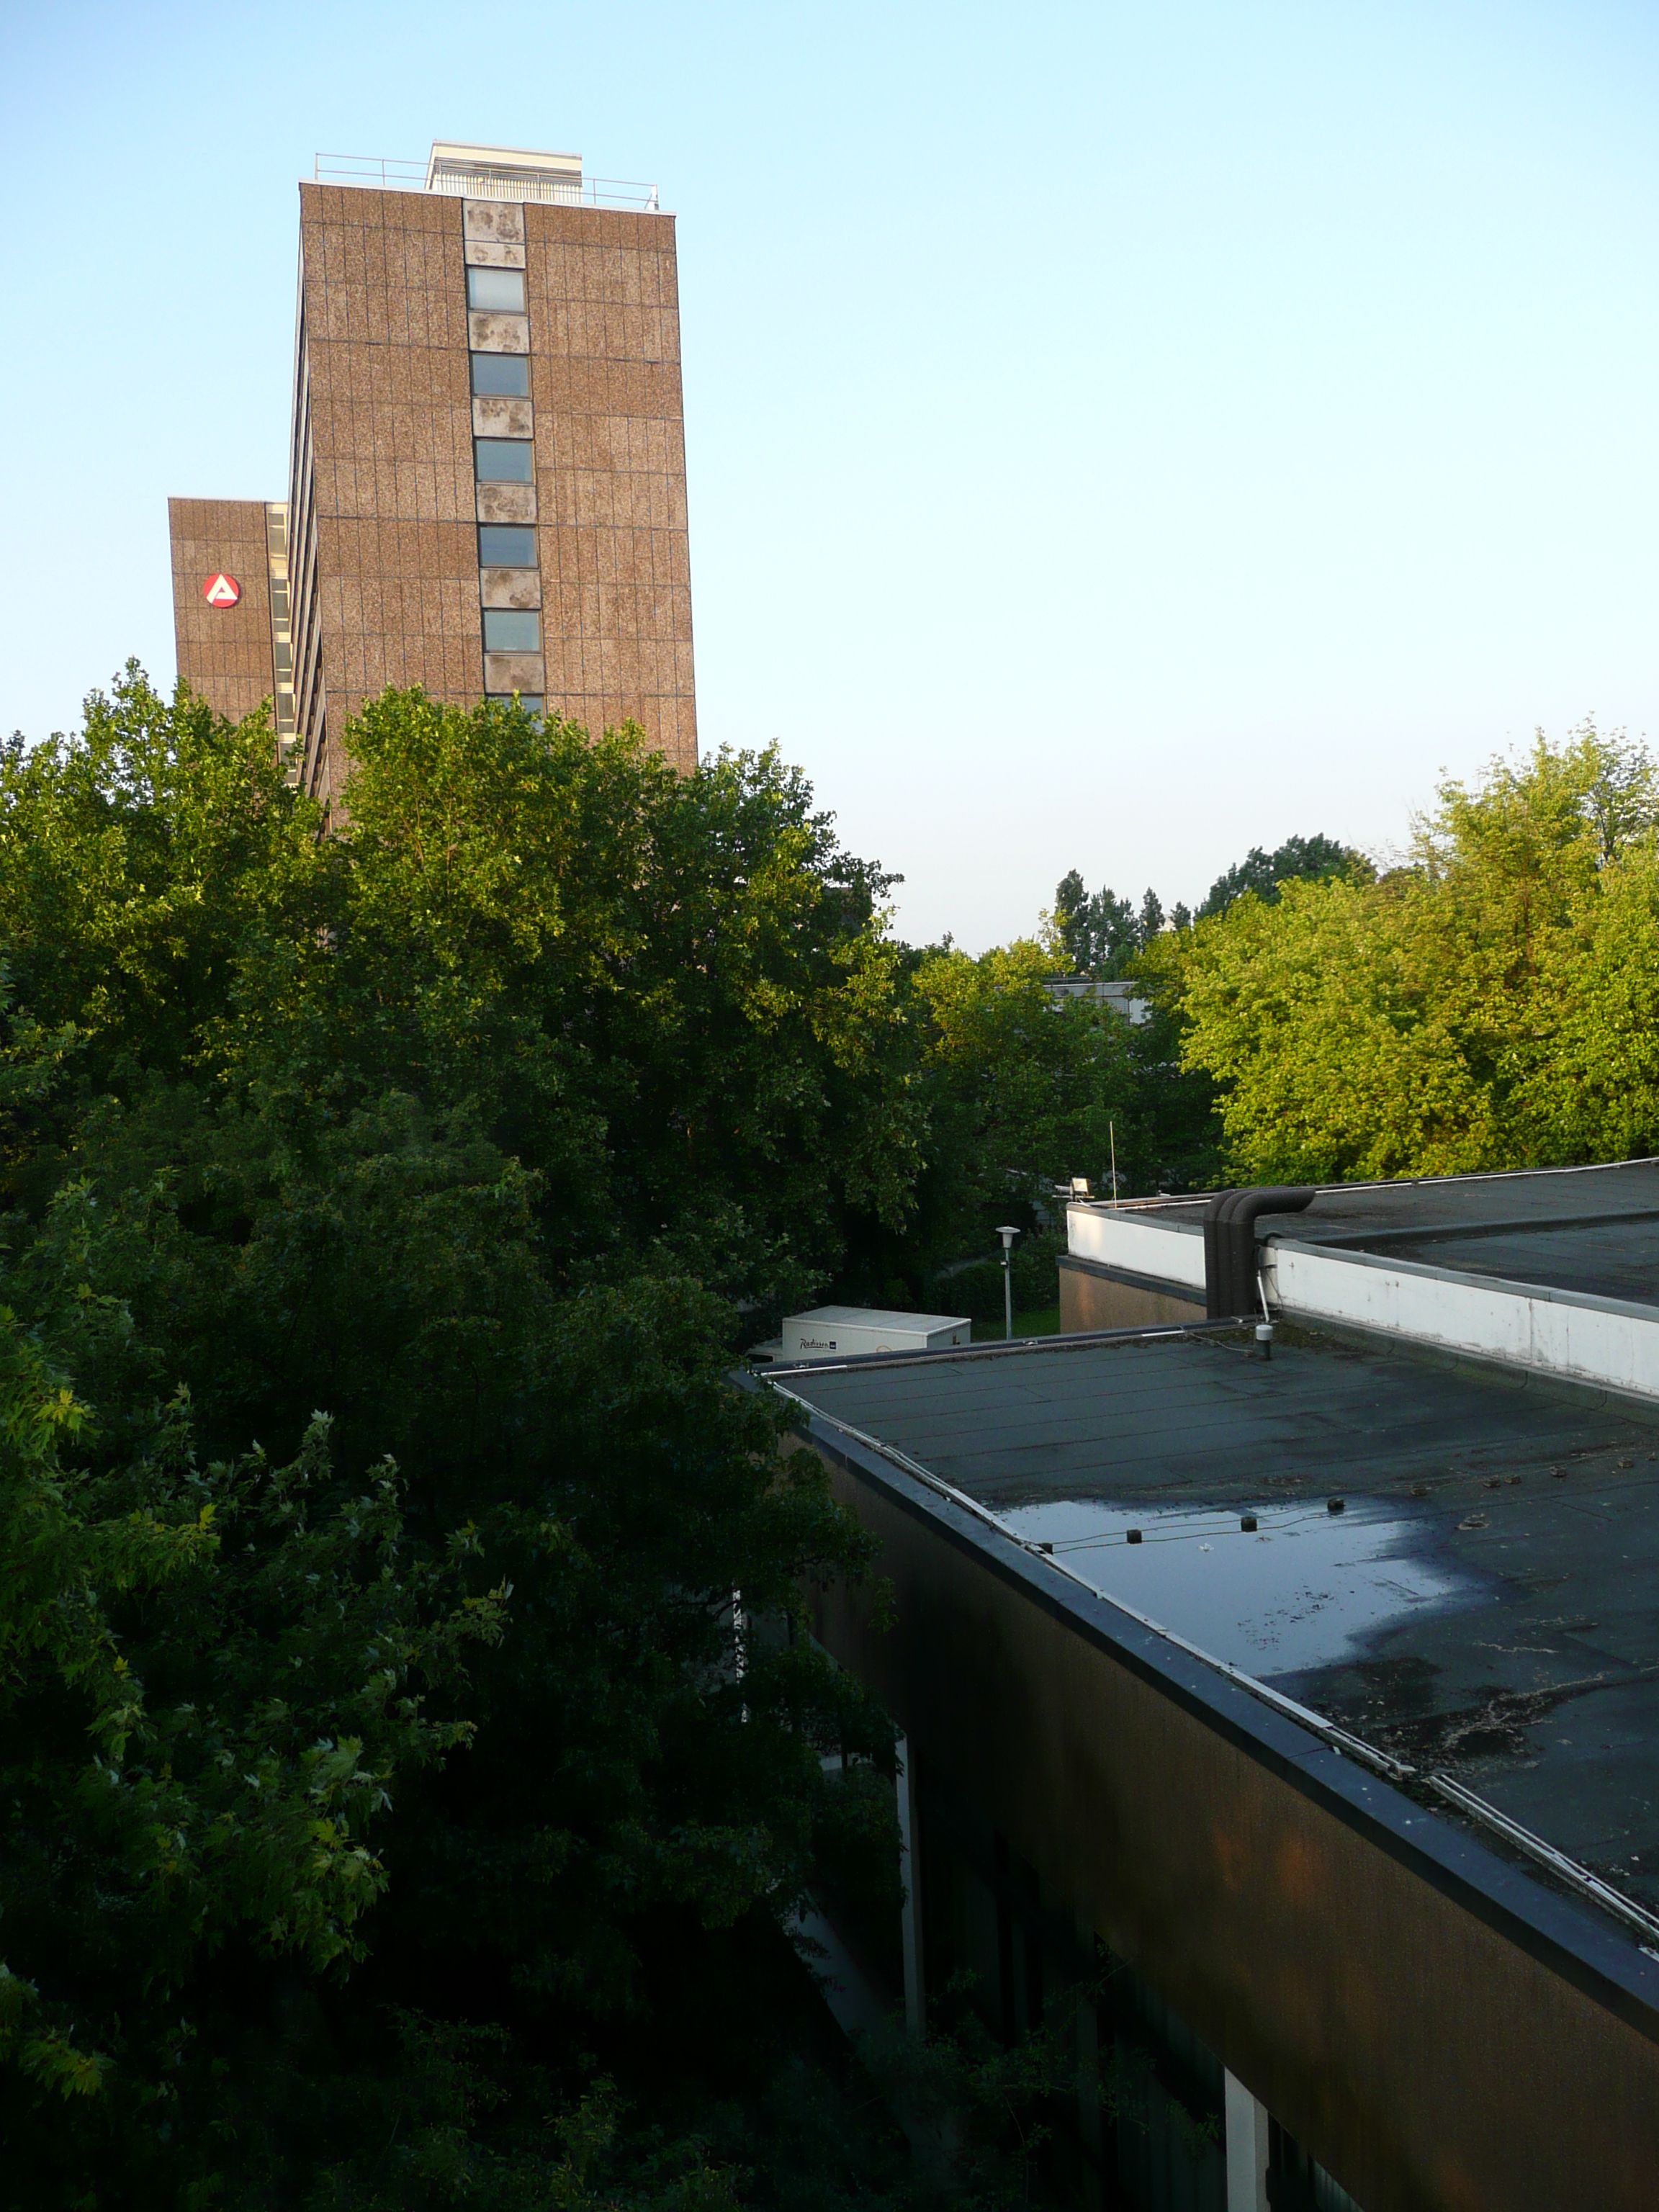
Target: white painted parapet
{"x":1138,"y":1242}
{"x":1581,"y":1338}
{"x":1570,"y":1333}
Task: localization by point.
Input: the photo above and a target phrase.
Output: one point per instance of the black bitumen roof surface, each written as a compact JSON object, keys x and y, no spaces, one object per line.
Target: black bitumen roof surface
{"x":1594,"y":1230}
{"x":1607,"y":1260}
{"x":1485,"y":1605}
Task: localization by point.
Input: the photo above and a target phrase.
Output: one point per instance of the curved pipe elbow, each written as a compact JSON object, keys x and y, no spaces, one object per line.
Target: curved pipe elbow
{"x":1230,"y":1270}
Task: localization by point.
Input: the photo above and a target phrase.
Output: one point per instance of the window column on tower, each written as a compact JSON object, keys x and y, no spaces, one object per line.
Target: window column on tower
{"x":282,"y":645}
{"x":503,"y":451}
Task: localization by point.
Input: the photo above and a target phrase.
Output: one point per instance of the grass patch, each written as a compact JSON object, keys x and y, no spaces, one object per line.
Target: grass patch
{"x":1038,"y":1321}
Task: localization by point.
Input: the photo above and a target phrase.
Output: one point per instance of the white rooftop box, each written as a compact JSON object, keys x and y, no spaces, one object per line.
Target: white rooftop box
{"x":844,"y":1332}
{"x":504,"y":173}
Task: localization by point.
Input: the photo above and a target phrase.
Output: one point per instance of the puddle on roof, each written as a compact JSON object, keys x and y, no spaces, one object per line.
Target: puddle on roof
{"x":1305,"y":1590}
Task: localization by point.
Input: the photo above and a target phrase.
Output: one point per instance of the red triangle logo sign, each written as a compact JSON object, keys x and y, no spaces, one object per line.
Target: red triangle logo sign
{"x":221,"y":590}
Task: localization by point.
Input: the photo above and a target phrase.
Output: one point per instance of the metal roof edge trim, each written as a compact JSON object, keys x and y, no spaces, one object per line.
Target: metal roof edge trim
{"x":1153,"y":1216}
{"x":1164,"y":1286}
{"x":1489,"y":1366}
{"x":1384,"y":1182}
{"x":1364,"y":1240}
{"x":999,"y":1347}
{"x":1494,"y":1175}
{"x":1166,"y":1202}
{"x":1562,"y":1934}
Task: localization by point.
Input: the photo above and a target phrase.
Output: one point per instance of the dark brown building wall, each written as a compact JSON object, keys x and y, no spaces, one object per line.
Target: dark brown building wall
{"x":392,"y":489}
{"x":604,"y":325}
{"x":1421,"y":2017}
{"x":224,"y":653}
{"x":1092,"y":1297}
{"x":384,"y":311}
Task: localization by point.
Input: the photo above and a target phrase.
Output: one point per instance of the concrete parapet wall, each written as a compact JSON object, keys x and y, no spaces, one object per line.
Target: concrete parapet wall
{"x":1092,"y":1297}
{"x":1570,"y":1334}
{"x":1613,"y":1343}
{"x":1140,"y":1245}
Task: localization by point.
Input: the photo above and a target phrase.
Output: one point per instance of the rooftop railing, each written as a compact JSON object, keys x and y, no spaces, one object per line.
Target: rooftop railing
{"x":485,"y":180}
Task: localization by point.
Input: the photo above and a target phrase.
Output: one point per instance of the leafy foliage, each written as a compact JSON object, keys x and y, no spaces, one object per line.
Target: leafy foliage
{"x":1098,"y":934}
{"x":1170,"y":1136}
{"x":1017,"y":1091}
{"x":213,"y":1684}
{"x":1490,"y":1004}
{"x":468,"y":1126}
{"x":407,"y":1751}
{"x":1316,"y":860}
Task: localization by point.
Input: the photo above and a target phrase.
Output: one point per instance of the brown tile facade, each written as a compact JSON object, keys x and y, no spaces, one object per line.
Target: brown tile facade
{"x":604,"y":302}
{"x":224,"y":653}
{"x":383,"y":502}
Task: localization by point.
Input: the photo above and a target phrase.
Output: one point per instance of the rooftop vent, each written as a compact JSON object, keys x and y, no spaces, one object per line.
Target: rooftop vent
{"x":504,"y":173}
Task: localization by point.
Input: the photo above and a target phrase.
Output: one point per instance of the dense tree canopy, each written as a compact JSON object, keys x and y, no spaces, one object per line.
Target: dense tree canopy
{"x":1098,"y":934}
{"x":404,"y":1731}
{"x":373,"y":1507}
{"x":1016,"y":1090}
{"x":1170,"y":1134}
{"x":1492,"y":1002}
{"x":1298,"y":860}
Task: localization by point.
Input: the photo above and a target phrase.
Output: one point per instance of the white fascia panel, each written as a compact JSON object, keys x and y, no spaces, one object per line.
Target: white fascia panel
{"x":1132,"y":1242}
{"x":1608,"y":1341}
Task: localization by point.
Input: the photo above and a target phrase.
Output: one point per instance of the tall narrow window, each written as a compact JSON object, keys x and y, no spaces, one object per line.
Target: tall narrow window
{"x":506,"y":545}
{"x":499,"y":290}
{"x":504,"y":374}
{"x":504,"y":460}
{"x":508,"y":630}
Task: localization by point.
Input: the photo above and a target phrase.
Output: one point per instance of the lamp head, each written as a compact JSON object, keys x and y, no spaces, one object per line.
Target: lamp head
{"x":1007,"y":1235}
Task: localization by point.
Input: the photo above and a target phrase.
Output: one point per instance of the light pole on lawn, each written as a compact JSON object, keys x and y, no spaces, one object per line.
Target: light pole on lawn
{"x":1008,"y":1237}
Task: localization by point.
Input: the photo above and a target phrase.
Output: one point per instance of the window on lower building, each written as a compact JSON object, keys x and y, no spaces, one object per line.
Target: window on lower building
{"x":506,"y":545}
{"x":509,"y":630}
{"x":503,"y":460}
{"x":508,"y":373}
{"x":500,"y":291}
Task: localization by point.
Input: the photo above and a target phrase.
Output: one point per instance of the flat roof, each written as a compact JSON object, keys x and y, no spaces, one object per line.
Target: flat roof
{"x":1592,"y":1230}
{"x":879,"y":1317}
{"x":1481,"y":1606}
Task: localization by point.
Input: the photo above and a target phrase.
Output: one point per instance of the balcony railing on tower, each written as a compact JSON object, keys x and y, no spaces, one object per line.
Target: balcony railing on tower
{"x":489,"y":173}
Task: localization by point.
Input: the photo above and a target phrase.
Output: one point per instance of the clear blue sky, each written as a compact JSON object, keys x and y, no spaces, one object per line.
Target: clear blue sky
{"x":1117,"y":434}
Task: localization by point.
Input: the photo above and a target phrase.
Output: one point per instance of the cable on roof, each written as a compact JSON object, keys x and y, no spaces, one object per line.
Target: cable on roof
{"x":1396,"y":1769}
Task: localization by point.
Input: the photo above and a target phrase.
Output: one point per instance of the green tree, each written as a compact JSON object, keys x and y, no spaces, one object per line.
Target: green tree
{"x":1017,"y":1091}
{"x":1170,"y":1135}
{"x":474,"y":1702}
{"x":1070,"y":922}
{"x":1176,"y":1138}
{"x":1490,"y":1004}
{"x":216,"y":1679}
{"x":1097,"y":933}
{"x":1299,"y":859}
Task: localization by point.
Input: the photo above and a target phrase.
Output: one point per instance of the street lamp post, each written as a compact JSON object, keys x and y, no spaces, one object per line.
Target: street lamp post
{"x":1008,"y":1237}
